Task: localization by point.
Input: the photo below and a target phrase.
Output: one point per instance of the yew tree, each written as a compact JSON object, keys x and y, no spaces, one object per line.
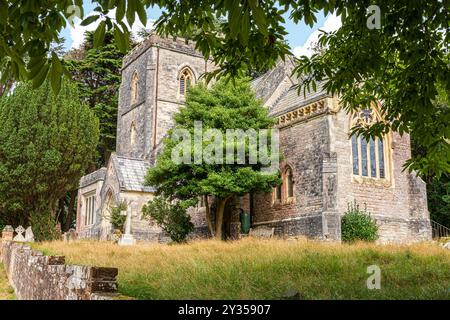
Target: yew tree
{"x":47,"y":141}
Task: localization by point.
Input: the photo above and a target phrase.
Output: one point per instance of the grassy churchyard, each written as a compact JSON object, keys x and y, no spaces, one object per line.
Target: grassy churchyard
{"x":267,"y":269}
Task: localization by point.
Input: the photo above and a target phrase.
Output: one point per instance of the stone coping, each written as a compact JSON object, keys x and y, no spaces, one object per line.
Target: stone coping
{"x":35,"y":276}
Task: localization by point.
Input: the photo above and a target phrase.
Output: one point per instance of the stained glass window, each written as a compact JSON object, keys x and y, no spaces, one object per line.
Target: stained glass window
{"x":364,"y":164}
{"x":373,"y":159}
{"x":368,"y":157}
{"x":381,"y":159}
{"x":186,"y":80}
{"x":355,"y":155}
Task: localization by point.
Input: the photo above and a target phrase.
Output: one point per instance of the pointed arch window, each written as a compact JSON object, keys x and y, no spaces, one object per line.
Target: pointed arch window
{"x":289,"y":183}
{"x":368,"y":156}
{"x":277,"y":193}
{"x":186,"y":81}
{"x":284,"y":193}
{"x":133,"y":134}
{"x":134,"y":88}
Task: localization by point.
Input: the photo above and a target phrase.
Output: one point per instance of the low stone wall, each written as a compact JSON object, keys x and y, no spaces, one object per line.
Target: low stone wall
{"x":34,"y":276}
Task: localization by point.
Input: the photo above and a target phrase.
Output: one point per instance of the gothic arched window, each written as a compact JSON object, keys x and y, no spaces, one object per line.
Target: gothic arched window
{"x":186,"y":80}
{"x":289,"y":183}
{"x":277,"y":193}
{"x":133,"y":134}
{"x":368,"y":156}
{"x":134,"y":88}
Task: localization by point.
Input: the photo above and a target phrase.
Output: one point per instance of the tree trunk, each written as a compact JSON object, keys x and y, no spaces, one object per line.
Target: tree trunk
{"x":219,"y":217}
{"x":70,"y":210}
{"x":208,"y":216}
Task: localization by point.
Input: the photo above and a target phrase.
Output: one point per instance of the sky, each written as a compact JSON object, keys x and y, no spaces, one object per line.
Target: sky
{"x":301,"y":38}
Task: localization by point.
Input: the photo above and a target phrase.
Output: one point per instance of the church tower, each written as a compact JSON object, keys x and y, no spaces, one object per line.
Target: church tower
{"x":155,"y":79}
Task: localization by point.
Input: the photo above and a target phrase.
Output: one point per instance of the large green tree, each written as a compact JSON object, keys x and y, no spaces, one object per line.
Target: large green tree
{"x":438,"y":188}
{"x":47,"y":141}
{"x":400,"y":64}
{"x":225,"y":106}
{"x":97,"y":71}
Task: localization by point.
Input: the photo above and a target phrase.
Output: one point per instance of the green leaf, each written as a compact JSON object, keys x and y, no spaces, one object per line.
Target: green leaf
{"x":89,"y":20}
{"x":56,"y":63}
{"x":55,"y":78}
{"x":245,"y":28}
{"x":121,"y":39}
{"x":259,"y":16}
{"x":35,"y":66}
{"x":99,"y":35}
{"x":120,"y":11}
{"x":131,"y":12}
{"x":235,"y":19}
{"x":41,"y":76}
{"x":3,"y":12}
{"x":141,"y":12}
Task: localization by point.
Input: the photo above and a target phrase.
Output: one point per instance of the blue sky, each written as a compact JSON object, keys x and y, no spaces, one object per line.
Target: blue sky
{"x":299,"y":38}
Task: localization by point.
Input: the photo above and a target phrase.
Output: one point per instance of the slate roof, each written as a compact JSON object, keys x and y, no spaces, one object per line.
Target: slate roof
{"x":291,"y":99}
{"x":131,"y":173}
{"x":93,"y":177}
{"x":266,"y":85}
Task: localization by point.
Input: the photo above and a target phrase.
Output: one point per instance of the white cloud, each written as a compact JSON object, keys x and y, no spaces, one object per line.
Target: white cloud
{"x":78,"y":31}
{"x":332,"y":23}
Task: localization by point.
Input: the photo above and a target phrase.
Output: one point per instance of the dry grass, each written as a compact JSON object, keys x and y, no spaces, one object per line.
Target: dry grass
{"x":6,"y":292}
{"x":253,"y":269}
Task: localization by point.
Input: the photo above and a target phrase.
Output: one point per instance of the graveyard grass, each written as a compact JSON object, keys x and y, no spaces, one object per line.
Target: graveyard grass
{"x":267,"y":269}
{"x":6,"y":292}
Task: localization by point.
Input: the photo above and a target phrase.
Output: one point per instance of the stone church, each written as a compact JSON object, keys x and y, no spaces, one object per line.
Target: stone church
{"x":324,"y":169}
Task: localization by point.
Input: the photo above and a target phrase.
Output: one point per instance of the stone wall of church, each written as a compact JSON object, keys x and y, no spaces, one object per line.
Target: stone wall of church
{"x":171,"y":61}
{"x":158,"y":63}
{"x":305,"y":146}
{"x":89,"y":185}
{"x":137,"y":113}
{"x":398,"y":205}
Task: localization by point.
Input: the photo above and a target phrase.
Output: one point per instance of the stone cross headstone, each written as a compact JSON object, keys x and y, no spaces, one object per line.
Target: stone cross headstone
{"x":29,"y":236}
{"x":70,"y":235}
{"x":19,"y":237}
{"x":127,"y":239}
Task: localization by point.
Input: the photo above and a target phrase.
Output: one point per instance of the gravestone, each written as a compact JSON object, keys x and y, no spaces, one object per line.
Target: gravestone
{"x":262,"y":232}
{"x":29,"y":236}
{"x":127,"y":239}
{"x":70,"y":235}
{"x":19,"y":237}
{"x":7,"y":233}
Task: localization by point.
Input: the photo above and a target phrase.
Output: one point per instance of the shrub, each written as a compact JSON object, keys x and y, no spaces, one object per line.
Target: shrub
{"x":172,"y":218}
{"x":117,"y":219}
{"x":358,"y":225}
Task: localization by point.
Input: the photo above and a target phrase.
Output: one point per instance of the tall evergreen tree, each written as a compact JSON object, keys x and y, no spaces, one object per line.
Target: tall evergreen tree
{"x":46,"y":143}
{"x":97,"y":73}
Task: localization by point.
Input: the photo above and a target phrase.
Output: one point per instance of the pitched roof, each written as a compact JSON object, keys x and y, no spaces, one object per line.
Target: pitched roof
{"x":93,"y":177}
{"x":131,"y":173}
{"x":291,"y":99}
{"x":265,"y":85}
